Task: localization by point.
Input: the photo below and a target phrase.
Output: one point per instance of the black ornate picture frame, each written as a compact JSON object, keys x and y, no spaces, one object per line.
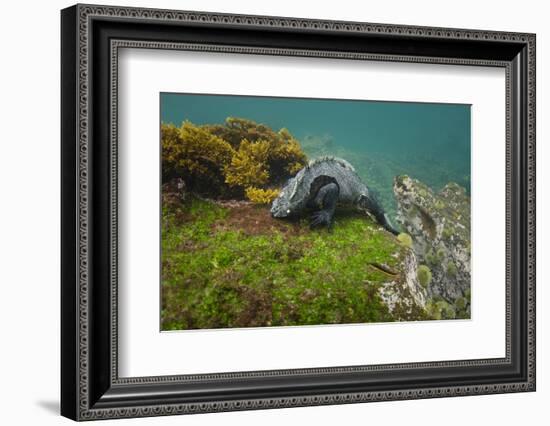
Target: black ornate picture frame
{"x":91,"y":387}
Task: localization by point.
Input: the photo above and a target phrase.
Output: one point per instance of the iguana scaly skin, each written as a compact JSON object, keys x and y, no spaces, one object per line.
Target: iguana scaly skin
{"x":321,"y":186}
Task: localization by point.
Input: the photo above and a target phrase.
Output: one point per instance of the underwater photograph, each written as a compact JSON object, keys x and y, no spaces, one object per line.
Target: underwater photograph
{"x":295,"y":211}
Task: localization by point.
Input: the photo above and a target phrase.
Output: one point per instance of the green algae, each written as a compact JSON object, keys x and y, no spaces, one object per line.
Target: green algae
{"x":217,"y":276}
{"x":424,"y":275}
{"x":405,"y":239}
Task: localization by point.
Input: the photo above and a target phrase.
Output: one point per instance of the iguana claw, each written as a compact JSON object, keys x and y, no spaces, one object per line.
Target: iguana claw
{"x":320,"y":218}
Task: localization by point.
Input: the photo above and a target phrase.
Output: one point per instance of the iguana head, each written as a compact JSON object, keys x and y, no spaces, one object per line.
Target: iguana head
{"x":281,"y":206}
{"x":290,"y":200}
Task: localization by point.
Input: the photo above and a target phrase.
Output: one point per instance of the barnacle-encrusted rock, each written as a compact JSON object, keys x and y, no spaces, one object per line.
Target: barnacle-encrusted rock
{"x":404,"y":295}
{"x":439,"y":224}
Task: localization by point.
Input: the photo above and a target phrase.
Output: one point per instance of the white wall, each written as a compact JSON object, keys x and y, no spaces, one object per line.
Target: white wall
{"x":29,"y":225}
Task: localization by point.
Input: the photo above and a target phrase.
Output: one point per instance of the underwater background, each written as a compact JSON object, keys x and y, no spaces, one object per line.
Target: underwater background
{"x":426,"y":141}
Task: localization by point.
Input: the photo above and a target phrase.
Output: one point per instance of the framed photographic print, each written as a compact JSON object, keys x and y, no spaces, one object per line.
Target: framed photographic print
{"x":263,"y":212}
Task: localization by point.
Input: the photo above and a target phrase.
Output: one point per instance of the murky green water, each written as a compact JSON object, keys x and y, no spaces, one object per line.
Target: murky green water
{"x":430,"y":142}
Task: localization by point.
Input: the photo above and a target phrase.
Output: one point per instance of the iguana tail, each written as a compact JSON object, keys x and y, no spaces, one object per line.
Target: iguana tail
{"x":372,"y":205}
{"x":388,"y":225}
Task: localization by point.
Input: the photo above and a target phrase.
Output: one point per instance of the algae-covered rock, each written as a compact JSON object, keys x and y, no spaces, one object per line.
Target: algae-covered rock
{"x":230,"y":264}
{"x":439,"y":224}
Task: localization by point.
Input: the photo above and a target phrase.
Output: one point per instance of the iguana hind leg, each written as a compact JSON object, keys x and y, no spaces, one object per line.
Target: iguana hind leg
{"x":325,"y":200}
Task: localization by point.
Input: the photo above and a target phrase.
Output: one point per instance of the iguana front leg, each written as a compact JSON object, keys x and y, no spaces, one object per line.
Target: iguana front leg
{"x":325,"y":200}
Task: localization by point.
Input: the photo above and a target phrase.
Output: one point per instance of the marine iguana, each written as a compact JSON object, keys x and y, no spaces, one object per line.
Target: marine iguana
{"x":322,"y":185}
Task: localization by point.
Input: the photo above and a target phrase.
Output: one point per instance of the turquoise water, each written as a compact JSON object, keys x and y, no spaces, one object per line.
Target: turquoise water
{"x":427,"y":141}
